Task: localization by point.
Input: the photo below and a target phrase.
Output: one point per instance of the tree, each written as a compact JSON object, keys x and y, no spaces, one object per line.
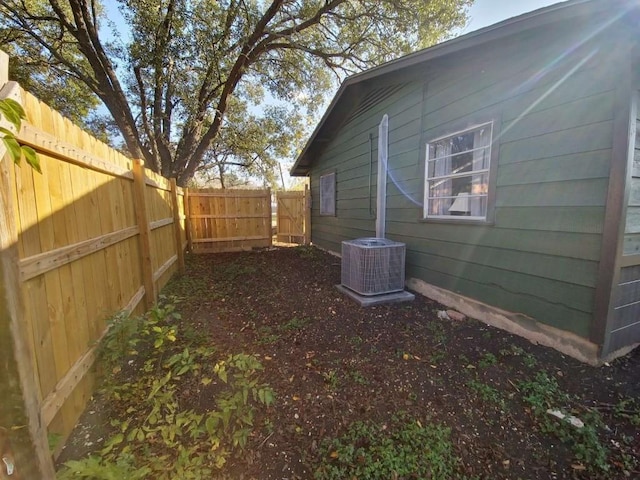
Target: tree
{"x":249,"y":146}
{"x":192,"y":68}
{"x":41,"y":74}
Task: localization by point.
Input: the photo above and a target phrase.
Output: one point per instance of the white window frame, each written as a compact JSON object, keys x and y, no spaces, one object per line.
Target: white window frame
{"x":332,"y":211}
{"x":453,"y":175}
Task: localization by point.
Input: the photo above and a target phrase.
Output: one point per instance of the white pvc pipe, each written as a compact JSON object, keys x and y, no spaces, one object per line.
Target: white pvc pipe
{"x":381,"y":198}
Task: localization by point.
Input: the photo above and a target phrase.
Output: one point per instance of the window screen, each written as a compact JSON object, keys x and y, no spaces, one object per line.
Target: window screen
{"x":457,"y":174}
{"x":328,"y":194}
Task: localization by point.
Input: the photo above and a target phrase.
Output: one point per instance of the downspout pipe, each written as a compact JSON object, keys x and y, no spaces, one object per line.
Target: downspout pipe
{"x":381,"y":198}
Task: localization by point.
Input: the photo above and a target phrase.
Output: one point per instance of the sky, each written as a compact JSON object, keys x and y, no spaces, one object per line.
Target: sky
{"x":487,"y":12}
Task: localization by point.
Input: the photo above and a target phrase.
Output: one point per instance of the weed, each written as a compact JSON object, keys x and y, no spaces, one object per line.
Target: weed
{"x":628,"y":409}
{"x":359,"y":378}
{"x":187,"y":285}
{"x":487,"y":393}
{"x":155,"y":438}
{"x":267,"y":336}
{"x":438,"y":331}
{"x":356,"y":340}
{"x":331,"y":379}
{"x":230,"y":272}
{"x":543,"y":393}
{"x":268,"y":425}
{"x":404,"y":449}
{"x":529,"y":360}
{"x":487,"y":360}
{"x":307,"y":252}
{"x":294,"y":324}
{"x":437,"y":357}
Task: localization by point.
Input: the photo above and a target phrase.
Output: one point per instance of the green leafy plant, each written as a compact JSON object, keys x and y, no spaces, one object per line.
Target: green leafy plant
{"x":405,"y":449}
{"x":359,"y":378}
{"x":487,"y":393}
{"x":543,"y":393}
{"x":487,"y":360}
{"x":266,"y":336}
{"x":307,"y":252}
{"x":154,"y":437}
{"x":331,"y":379}
{"x":294,"y":324}
{"x":628,"y":409}
{"x":13,"y":112}
{"x":438,"y":331}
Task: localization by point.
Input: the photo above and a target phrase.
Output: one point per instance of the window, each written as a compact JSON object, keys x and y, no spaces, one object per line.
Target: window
{"x":457,"y":175}
{"x":328,"y":194}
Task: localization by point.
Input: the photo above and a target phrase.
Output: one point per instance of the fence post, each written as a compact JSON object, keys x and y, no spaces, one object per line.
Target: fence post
{"x":187,"y":219}
{"x":144,"y":236}
{"x":21,"y":396}
{"x":176,"y":224}
{"x":307,"y":215}
{"x":269,"y":223}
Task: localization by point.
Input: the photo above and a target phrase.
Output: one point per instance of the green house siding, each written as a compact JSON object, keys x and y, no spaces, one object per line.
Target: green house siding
{"x":553,"y":113}
{"x":353,"y":156}
{"x":624,"y":328}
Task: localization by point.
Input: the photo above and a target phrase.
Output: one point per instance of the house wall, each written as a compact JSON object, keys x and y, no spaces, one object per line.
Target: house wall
{"x":624,"y":328}
{"x":551,"y":95}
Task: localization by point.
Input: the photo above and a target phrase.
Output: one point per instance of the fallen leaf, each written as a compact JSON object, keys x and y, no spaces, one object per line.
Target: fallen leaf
{"x":334,"y":454}
{"x":296,"y":397}
{"x":578,"y":466}
{"x":266,"y":357}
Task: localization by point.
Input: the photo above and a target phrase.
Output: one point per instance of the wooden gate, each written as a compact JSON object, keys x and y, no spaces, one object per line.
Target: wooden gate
{"x":223,"y":220}
{"x":293,"y":217}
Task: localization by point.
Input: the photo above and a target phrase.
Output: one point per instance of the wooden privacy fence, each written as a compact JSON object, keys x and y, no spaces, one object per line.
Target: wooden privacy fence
{"x":222,"y":220}
{"x":93,"y":235}
{"x":294,"y":216}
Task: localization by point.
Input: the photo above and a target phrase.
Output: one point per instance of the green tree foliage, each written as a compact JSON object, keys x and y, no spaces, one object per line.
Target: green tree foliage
{"x":184,"y":88}
{"x":42,"y":74}
{"x":12,"y":112}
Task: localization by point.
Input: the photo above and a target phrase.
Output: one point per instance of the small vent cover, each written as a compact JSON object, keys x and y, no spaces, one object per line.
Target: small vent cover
{"x":373,"y":266}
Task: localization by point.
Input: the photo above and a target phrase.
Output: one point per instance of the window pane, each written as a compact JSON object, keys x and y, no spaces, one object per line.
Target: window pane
{"x":440,"y":188}
{"x":440,"y":167}
{"x":462,"y":163}
{"x":481,"y":159}
{"x":457,"y":178}
{"x":462,"y":143}
{"x":478,"y":206}
{"x":479,"y":184}
{"x":440,"y":206}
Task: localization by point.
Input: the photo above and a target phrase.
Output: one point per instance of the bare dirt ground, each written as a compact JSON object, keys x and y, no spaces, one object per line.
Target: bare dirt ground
{"x":332,"y":363}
